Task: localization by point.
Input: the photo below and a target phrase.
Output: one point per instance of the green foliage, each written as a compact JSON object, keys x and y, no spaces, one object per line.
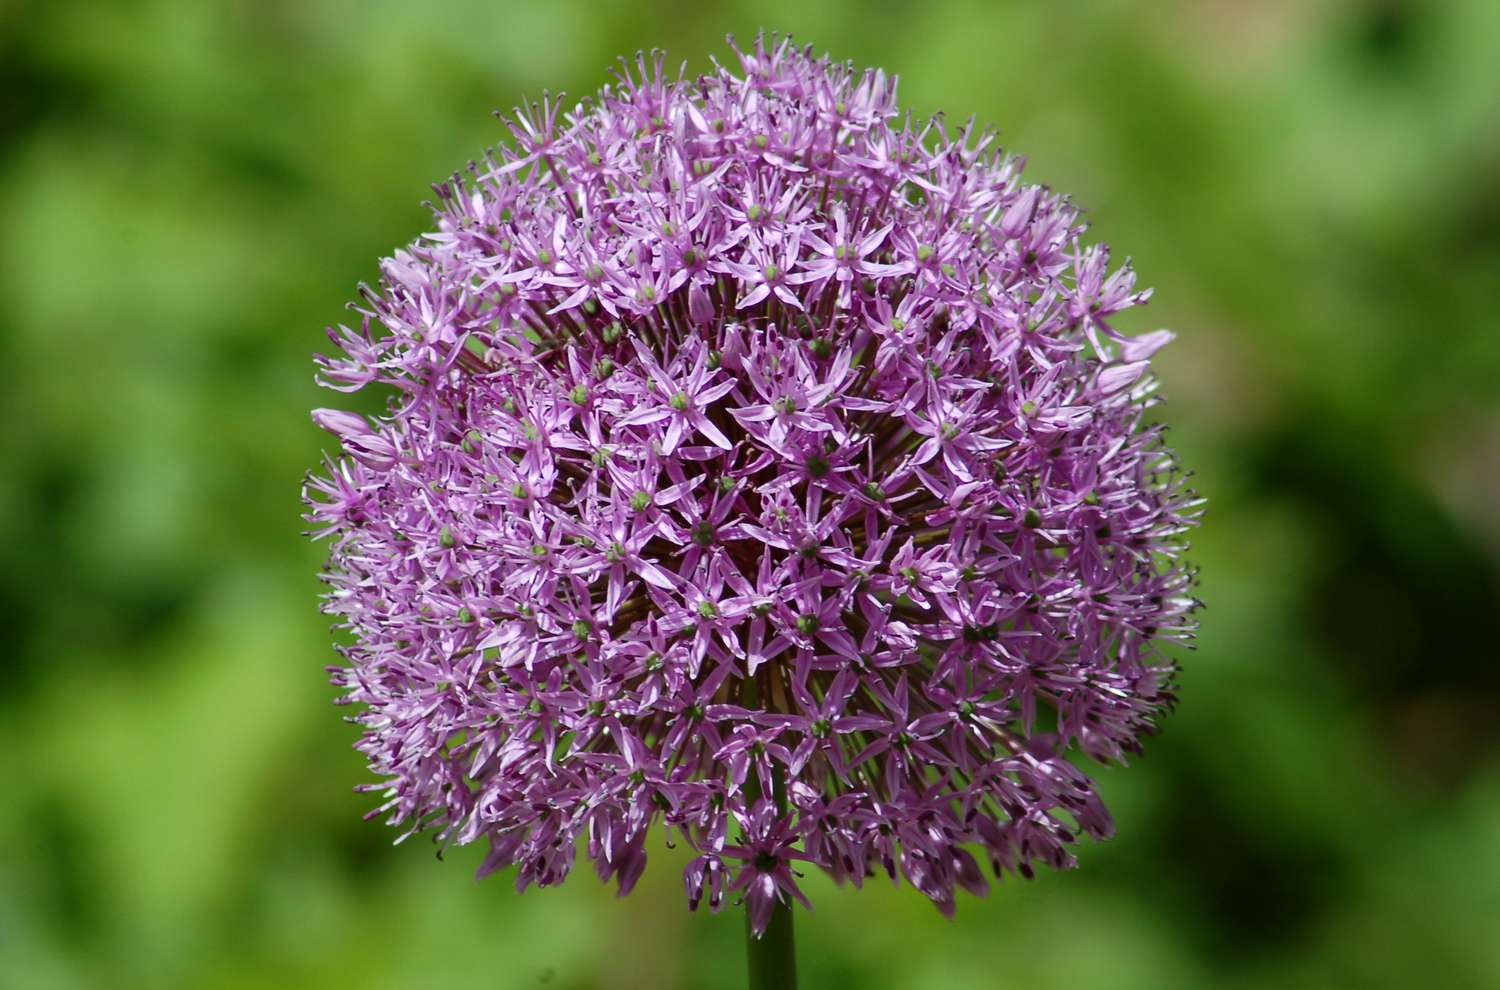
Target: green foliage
{"x":190,"y":191}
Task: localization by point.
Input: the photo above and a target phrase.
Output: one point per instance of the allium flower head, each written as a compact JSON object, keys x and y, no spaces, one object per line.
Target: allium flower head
{"x":762,"y":465}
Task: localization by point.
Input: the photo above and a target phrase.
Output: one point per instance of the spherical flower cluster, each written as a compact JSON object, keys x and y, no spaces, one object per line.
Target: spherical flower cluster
{"x":763,"y":464}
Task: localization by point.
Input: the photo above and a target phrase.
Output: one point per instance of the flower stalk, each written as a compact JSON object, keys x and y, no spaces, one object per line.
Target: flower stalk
{"x":772,"y":956}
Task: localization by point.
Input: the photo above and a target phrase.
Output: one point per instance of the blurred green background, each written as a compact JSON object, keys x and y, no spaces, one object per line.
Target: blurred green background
{"x":189,"y":192}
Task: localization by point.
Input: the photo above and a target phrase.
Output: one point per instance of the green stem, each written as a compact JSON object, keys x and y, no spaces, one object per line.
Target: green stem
{"x":773,"y":956}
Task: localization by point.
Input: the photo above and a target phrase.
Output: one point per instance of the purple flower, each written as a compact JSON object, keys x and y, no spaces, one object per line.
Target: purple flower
{"x":761,"y":463}
{"x":361,"y":443}
{"x":843,"y":260}
{"x":766,"y":874}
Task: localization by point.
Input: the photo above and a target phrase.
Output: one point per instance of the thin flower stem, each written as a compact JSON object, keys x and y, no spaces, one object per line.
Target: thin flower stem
{"x":772,"y":957}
